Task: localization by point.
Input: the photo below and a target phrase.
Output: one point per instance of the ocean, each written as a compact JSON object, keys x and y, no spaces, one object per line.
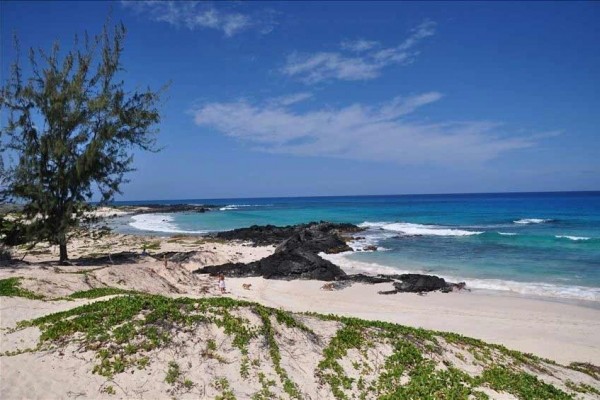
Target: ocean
{"x":540,"y":244}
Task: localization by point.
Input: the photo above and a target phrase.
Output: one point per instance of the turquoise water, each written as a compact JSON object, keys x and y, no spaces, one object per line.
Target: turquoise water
{"x":531,"y":243}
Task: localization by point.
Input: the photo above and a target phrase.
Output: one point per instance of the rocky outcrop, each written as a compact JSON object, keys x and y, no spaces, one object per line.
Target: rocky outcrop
{"x":274,"y":235}
{"x":424,"y":283}
{"x":165,"y":208}
{"x":370,"y":279}
{"x":419,"y":283}
{"x":297,"y":257}
{"x":297,"y":264}
{"x":412,"y":283}
{"x":317,"y":238}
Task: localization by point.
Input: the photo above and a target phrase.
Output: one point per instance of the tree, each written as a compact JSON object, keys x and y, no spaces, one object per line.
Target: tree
{"x":73,"y":127}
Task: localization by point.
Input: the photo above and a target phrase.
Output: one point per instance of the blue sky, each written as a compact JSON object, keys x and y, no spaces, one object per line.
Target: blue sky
{"x":333,"y":98}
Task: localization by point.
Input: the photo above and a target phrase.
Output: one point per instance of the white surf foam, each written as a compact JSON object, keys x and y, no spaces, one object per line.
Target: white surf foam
{"x":525,"y":221}
{"x":362,"y":244}
{"x":507,"y":233}
{"x":234,"y":207}
{"x":537,"y":289}
{"x":370,"y":239}
{"x":572,"y":237}
{"x":356,"y":267}
{"x":157,"y":223}
{"x":238,"y":206}
{"x":524,"y":288}
{"x":410,"y":229}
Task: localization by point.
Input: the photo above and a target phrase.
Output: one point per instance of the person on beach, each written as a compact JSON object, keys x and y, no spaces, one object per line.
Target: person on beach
{"x":222,"y":283}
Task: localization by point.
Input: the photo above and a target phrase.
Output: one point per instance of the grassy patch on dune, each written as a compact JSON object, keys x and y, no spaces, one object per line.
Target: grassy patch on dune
{"x":124,"y":330}
{"x":586,"y":368}
{"x":155,"y":245}
{"x":99,"y":292}
{"x":121,"y":330}
{"x":11,"y":287}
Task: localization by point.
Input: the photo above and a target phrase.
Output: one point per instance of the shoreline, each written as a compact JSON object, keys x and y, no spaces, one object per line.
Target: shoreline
{"x":555,"y":330}
{"x":121,"y":278}
{"x":591,"y":300}
{"x":554,"y":291}
{"x":564,"y":323}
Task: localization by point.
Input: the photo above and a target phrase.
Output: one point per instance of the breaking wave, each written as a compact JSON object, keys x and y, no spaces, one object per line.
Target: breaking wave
{"x":238,"y":206}
{"x":525,"y":221}
{"x":157,"y":223}
{"x":572,"y":237}
{"x":410,"y":229}
{"x":524,"y":288}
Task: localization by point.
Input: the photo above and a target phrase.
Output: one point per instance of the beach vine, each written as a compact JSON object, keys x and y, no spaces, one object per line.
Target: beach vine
{"x":124,"y":330}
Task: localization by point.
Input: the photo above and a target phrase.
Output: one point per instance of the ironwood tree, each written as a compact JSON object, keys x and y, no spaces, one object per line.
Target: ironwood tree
{"x":71,"y":128}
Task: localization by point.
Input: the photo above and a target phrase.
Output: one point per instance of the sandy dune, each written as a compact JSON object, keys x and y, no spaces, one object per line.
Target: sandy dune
{"x":558,"y":331}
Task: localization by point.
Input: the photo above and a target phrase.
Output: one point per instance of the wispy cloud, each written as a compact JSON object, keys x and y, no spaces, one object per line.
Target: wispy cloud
{"x":197,"y":15}
{"x":367,"y":64}
{"x":358,"y":45}
{"x":380,"y":133}
{"x":290,"y":99}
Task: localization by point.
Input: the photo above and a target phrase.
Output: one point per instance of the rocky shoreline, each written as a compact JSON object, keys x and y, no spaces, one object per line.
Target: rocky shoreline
{"x":152,"y":208}
{"x":297,"y":257}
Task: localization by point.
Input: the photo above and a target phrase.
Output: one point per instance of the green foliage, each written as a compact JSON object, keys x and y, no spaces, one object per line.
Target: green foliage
{"x":521,"y":384}
{"x":211,"y":351}
{"x":11,"y":288}
{"x":587,"y":368}
{"x":151,"y":245}
{"x":407,"y":374}
{"x":72,"y":126}
{"x":288,"y":385}
{"x":13,"y":232}
{"x":99,"y":292}
{"x":582,"y":388}
{"x":5,"y":255}
{"x":211,"y":345}
{"x":123,"y":329}
{"x":245,"y":367}
{"x":109,"y":390}
{"x":287,"y":319}
{"x":348,"y":337}
{"x":222,"y":384}
{"x":172,"y":373}
{"x":265,"y":392}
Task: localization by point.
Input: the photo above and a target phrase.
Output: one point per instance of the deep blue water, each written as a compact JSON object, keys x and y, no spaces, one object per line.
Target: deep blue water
{"x":532,"y":243}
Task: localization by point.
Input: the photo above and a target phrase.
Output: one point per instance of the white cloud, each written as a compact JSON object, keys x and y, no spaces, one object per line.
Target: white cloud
{"x":194,"y":15}
{"x":381,"y":133}
{"x":317,"y":67}
{"x":290,"y":99}
{"x":358,"y":45}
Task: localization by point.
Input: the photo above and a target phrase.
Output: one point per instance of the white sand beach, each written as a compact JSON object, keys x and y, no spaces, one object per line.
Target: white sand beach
{"x":558,"y":331}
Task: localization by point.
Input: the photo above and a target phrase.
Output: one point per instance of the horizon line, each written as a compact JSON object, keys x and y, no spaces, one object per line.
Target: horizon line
{"x":360,"y":195}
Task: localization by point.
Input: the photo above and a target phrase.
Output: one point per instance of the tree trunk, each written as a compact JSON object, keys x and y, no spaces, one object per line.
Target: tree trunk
{"x":63,"y":254}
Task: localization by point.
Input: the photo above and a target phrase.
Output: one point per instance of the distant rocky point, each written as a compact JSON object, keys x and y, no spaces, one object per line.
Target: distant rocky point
{"x":164,"y":208}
